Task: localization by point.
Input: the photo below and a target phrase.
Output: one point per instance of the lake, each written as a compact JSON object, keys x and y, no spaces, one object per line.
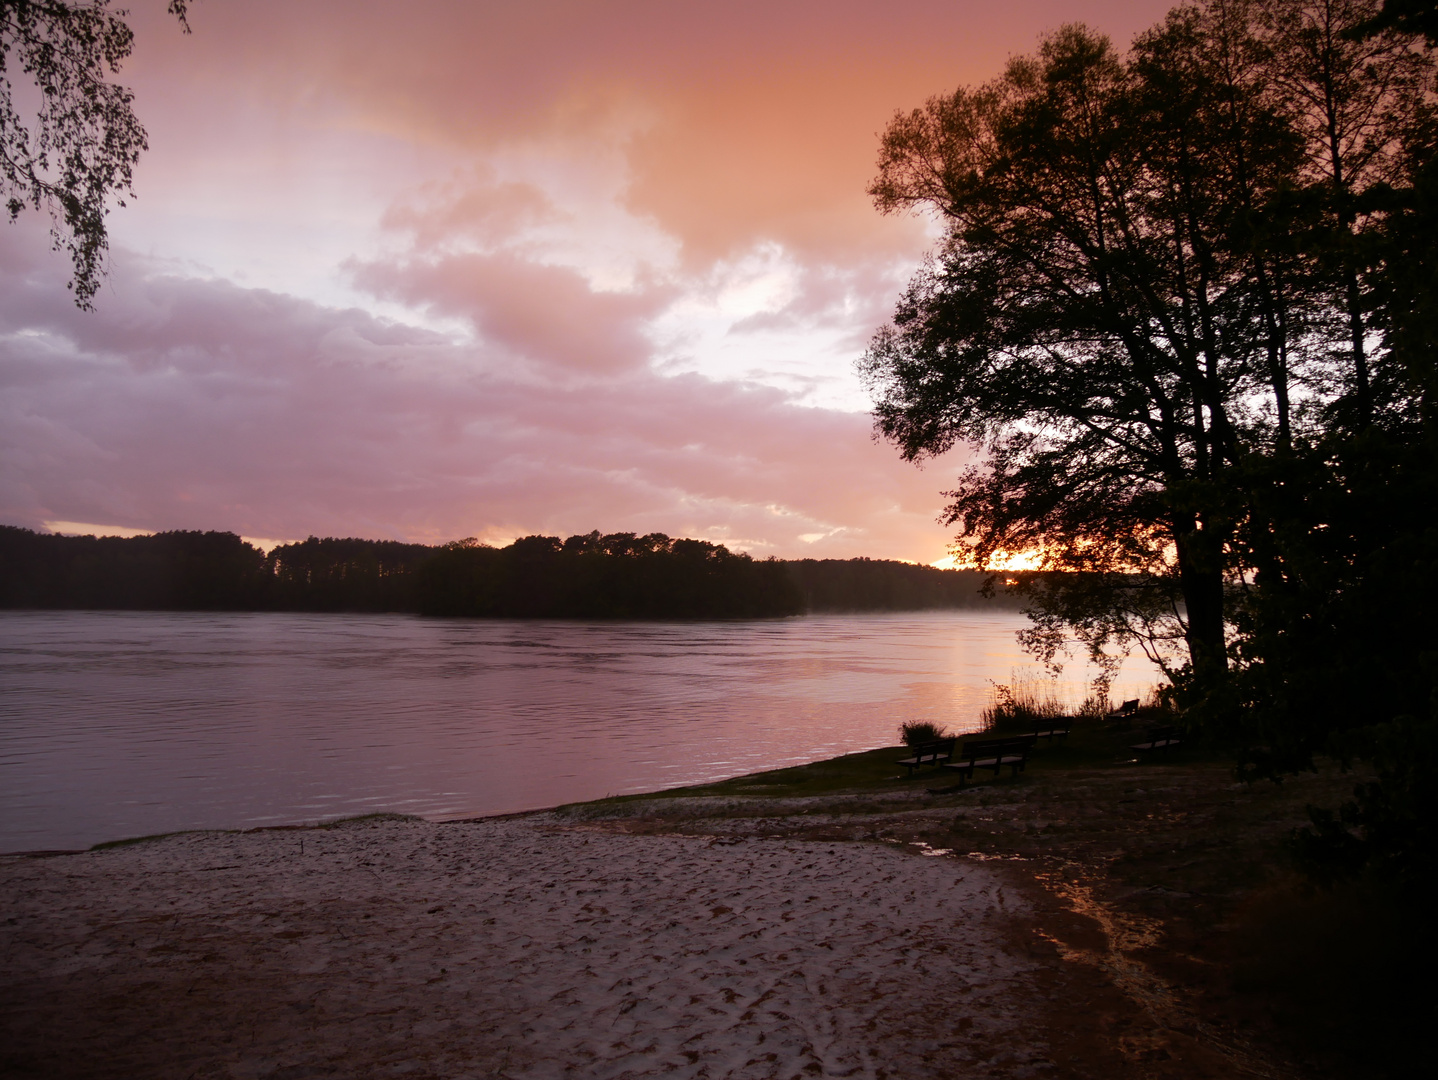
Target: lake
{"x":122,"y":724}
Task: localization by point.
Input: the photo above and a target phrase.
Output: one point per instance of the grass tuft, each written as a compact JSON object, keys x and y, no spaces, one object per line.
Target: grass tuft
{"x":1023,"y":703}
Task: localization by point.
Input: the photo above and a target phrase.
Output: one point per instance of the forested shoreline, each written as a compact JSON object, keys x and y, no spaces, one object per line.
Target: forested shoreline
{"x":619,"y":575}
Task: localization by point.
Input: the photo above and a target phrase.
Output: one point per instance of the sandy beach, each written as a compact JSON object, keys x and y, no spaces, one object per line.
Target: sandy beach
{"x":879,"y":932}
{"x":511,"y":948}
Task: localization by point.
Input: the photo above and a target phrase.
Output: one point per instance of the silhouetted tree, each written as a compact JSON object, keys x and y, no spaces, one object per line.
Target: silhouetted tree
{"x":345,"y":575}
{"x":838,"y":585}
{"x":1419,"y":17}
{"x":1185,"y":300}
{"x":210,"y":571}
{"x":1127,"y":295}
{"x":1354,"y":100}
{"x":592,"y":575}
{"x":82,"y":144}
{"x":597,"y":576}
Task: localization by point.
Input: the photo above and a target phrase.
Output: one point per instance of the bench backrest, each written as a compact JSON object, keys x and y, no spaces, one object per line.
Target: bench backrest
{"x":977,"y":748}
{"x":935,"y":748}
{"x":1128,"y":708}
{"x":1063,"y":726}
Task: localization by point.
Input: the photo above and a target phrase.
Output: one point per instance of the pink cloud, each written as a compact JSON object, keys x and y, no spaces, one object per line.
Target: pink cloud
{"x":199,"y":404}
{"x":763,"y":115}
{"x":280,"y":130}
{"x":481,"y":210}
{"x":548,"y":315}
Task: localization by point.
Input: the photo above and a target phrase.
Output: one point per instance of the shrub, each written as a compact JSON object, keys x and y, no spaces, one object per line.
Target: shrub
{"x":914,"y":732}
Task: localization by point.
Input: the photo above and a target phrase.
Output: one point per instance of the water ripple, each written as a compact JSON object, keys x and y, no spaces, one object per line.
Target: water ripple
{"x":116,"y":724}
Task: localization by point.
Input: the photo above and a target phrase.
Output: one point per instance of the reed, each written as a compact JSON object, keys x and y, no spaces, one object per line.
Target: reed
{"x":1020,"y":703}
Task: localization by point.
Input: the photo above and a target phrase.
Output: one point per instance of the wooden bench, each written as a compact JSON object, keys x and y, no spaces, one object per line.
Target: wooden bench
{"x":1128,"y":708}
{"x":1058,"y":731}
{"x":1159,"y":740}
{"x":992,"y":754}
{"x":936,"y":752}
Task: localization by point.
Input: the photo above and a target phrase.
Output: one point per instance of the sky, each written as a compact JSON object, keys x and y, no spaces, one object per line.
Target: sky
{"x":455,"y":268}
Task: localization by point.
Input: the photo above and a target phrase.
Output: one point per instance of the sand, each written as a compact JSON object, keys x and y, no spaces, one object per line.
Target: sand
{"x":521,"y":948}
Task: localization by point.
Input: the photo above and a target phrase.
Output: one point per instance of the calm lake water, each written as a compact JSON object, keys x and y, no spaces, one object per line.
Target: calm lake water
{"x":121,"y":724}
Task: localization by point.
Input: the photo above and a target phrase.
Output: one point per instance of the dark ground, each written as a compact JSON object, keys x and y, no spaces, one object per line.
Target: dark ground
{"x":1169,"y":882}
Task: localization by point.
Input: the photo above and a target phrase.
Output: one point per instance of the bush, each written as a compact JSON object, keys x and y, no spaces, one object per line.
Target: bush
{"x":1390,"y":826}
{"x":914,"y":732}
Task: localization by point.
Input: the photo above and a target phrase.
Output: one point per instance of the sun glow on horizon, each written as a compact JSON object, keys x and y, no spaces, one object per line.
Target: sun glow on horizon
{"x":84,"y":528}
{"x":1001,"y":562}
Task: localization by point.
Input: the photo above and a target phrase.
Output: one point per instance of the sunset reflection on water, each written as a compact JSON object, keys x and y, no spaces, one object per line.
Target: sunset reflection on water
{"x":121,"y":724}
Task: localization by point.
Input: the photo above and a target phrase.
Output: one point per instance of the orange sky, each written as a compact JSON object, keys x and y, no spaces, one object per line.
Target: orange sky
{"x":450,"y":268}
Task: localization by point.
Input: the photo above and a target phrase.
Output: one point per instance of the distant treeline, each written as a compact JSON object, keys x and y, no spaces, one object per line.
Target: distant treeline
{"x":594,"y":576}
{"x":885,"y":585}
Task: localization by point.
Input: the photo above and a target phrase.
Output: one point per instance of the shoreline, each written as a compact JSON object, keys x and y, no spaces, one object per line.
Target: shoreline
{"x":985,"y":929}
{"x":656,"y":793}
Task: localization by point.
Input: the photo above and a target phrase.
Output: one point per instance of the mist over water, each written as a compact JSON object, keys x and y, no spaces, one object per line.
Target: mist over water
{"x":122,"y":724}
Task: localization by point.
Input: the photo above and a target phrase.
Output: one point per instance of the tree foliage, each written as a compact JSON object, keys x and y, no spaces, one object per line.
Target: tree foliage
{"x":183,"y":570}
{"x":1183,"y":302}
{"x":852,"y":585}
{"x":619,"y":575}
{"x":69,"y":138}
{"x":1145,"y":283}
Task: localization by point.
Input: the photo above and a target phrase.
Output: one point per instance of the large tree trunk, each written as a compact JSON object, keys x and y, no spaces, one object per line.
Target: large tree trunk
{"x":1200,"y":569}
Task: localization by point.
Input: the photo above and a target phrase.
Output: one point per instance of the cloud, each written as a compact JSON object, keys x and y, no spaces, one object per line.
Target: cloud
{"x":461,"y":268}
{"x":201,"y":404}
{"x":478,"y":208}
{"x":738,"y":124}
{"x":549,"y":316}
